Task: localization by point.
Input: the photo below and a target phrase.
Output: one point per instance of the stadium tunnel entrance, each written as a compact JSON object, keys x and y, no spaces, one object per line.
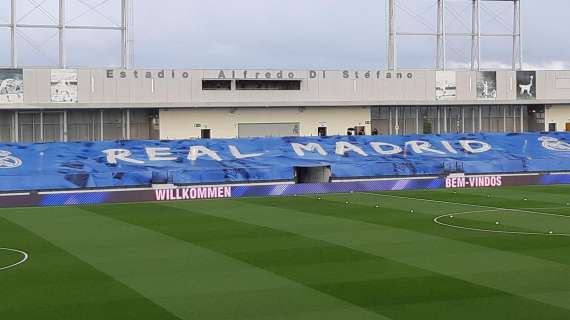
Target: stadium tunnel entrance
{"x":317,"y":174}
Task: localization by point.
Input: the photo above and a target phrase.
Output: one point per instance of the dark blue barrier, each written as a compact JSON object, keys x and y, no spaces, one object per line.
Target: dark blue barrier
{"x":77,"y":165}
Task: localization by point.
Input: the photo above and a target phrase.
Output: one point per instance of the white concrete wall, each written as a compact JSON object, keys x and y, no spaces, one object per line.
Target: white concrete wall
{"x":223,"y":122}
{"x":183,"y":88}
{"x":559,"y":114}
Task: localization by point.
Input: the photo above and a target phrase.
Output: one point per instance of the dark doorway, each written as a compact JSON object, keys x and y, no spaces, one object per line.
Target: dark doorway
{"x":360,"y":130}
{"x":205,"y":134}
{"x":568,"y":126}
{"x":552,"y":127}
{"x":322,"y":131}
{"x":313,"y":174}
{"x":536,"y":118}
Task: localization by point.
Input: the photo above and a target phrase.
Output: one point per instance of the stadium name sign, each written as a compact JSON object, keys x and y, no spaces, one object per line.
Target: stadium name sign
{"x":145,"y":74}
{"x":258,"y":74}
{"x":313,"y":74}
{"x":342,"y":149}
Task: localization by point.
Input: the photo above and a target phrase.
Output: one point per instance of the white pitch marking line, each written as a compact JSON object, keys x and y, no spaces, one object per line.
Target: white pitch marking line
{"x":475,"y":205}
{"x":436,"y":220}
{"x":489,"y":209}
{"x":25,"y":256}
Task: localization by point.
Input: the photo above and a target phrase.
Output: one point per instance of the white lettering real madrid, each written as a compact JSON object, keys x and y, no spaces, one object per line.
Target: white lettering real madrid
{"x":342,"y":148}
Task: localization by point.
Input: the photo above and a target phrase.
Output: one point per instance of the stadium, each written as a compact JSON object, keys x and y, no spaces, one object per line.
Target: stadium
{"x":247,"y":193}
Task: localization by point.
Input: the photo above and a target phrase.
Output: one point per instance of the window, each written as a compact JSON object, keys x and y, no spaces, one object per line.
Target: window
{"x":510,"y":119}
{"x":454,"y":119}
{"x":143,"y":124}
{"x":381,"y":120}
{"x":52,"y":126}
{"x":471,"y":119}
{"x":113,"y":124}
{"x":30,"y":127}
{"x":216,"y":85}
{"x":84,"y":125}
{"x":429,"y":120}
{"x":6,"y":126}
{"x":268,"y":84}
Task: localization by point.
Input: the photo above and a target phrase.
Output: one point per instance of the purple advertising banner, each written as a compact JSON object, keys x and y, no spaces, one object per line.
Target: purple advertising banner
{"x":228,"y":191}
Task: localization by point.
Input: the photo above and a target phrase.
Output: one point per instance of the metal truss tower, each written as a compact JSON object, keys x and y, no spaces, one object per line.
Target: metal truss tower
{"x":441,"y":34}
{"x":63,"y":23}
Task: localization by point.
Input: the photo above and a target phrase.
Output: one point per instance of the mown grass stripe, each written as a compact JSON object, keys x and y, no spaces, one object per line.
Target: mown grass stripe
{"x":54,"y":284}
{"x":381,"y":285}
{"x":187,"y":280}
{"x":395,"y":213}
{"x":487,"y":267}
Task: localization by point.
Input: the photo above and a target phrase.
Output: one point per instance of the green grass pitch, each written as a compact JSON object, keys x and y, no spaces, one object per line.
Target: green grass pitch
{"x":444,"y":254}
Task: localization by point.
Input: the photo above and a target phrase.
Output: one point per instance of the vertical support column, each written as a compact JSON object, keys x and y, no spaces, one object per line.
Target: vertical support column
{"x":480,"y":119}
{"x":440,"y":57}
{"x":61,"y":28}
{"x":517,"y":43}
{"x":438,"y":120}
{"x":392,"y":51}
{"x":125,"y":63}
{"x":522,"y":119}
{"x":15,"y":135}
{"x":418,"y":120}
{"x":64,"y":126}
{"x":397,"y":126}
{"x":101,"y":125}
{"x":445,"y":128}
{"x":41,"y":113}
{"x":476,"y":36}
{"x":514,"y":118}
{"x":127,"y":125}
{"x":473,"y":120}
{"x":390,"y":121}
{"x":504,"y":118}
{"x":463,"y":119}
{"x":13,"y":49}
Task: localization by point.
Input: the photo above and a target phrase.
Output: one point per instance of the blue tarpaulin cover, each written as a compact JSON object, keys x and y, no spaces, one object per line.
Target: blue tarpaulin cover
{"x":73,"y":165}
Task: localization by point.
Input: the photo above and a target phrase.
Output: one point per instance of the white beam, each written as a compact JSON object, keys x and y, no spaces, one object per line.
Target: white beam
{"x":125,"y":63}
{"x":440,"y":56}
{"x":61,"y":27}
{"x":517,"y":45}
{"x":13,"y":47}
{"x":392,"y":50}
{"x":476,"y":36}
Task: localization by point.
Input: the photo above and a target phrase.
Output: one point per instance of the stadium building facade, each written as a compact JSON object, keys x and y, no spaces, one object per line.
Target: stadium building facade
{"x":42,"y":105}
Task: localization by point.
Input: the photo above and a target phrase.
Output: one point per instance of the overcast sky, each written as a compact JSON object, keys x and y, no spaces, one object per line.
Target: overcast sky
{"x":331,"y":34}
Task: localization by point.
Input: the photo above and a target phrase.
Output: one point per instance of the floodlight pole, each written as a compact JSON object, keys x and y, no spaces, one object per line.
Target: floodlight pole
{"x":13,"y":52}
{"x":61,"y":30}
{"x":517,"y":43}
{"x":440,"y":56}
{"x":62,"y":25}
{"x":441,"y":35}
{"x":392,"y":51}
{"x":476,"y":36}
{"x":125,"y":50}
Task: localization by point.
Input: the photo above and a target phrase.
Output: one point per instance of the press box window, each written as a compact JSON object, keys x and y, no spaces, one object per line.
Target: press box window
{"x":216,"y":85}
{"x":268,"y":84}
